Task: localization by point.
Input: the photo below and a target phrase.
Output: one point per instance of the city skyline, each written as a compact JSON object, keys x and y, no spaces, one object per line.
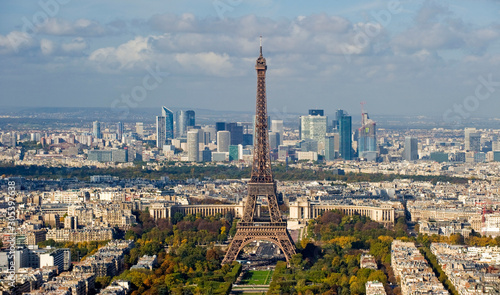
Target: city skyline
{"x":425,"y":54}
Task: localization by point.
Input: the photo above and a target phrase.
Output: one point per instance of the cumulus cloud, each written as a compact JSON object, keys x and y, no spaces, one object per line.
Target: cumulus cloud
{"x":437,"y":28}
{"x":208,"y":62}
{"x":317,"y":43}
{"x":133,"y":53}
{"x":76,"y":45}
{"x":80,"y":27}
{"x":47,"y":46}
{"x":15,"y":41}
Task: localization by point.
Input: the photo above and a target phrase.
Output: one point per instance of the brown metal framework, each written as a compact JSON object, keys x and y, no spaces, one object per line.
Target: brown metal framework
{"x":261,"y":184}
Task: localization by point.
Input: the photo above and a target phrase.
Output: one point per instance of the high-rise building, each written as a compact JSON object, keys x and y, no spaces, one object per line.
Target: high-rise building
{"x":411,"y":148}
{"x":345,"y":132}
{"x":330,"y":148}
{"x":210,"y":135}
{"x":119,"y":130}
{"x":10,"y":139}
{"x":274,"y":140}
{"x":206,"y":155}
{"x":247,"y":139}
{"x":96,"y":129}
{"x":313,"y":127}
{"x":220,"y":126}
{"x":367,"y":141}
{"x":180,"y":124}
{"x":472,"y":140}
{"x":234,"y":153}
{"x":183,"y":120}
{"x":316,"y":112}
{"x":169,"y":122}
{"x":193,"y":145}
{"x":338,"y":114}
{"x":190,"y":118}
{"x":283,"y":152}
{"x":277,"y":126}
{"x":160,"y":131}
{"x":223,"y":141}
{"x":236,"y":133}
{"x":139,"y":129}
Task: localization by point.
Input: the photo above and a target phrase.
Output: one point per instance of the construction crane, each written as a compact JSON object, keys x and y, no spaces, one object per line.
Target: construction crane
{"x":362,"y":107}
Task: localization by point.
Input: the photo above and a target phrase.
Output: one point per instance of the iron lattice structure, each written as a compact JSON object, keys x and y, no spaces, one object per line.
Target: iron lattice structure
{"x":261,"y":184}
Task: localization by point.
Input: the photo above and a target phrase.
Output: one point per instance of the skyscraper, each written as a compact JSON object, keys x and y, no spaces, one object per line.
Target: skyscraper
{"x":190,"y":118}
{"x":139,"y":129}
{"x":183,"y":120}
{"x":160,"y":131}
{"x":411,"y":148}
{"x":472,"y":140}
{"x":96,"y":129}
{"x":313,"y":127}
{"x":345,"y":132}
{"x":367,"y":141}
{"x":316,"y":112}
{"x":193,"y":145}
{"x":223,"y":141}
{"x":220,"y":126}
{"x":234,"y":153}
{"x":180,"y":124}
{"x":236,"y":133}
{"x":277,"y":126}
{"x":274,"y":139}
{"x":169,"y":122}
{"x":338,"y":114}
{"x":330,"y":148}
{"x":119,"y":130}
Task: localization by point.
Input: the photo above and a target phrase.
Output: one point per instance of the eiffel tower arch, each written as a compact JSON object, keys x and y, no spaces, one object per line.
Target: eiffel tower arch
{"x":261,"y":184}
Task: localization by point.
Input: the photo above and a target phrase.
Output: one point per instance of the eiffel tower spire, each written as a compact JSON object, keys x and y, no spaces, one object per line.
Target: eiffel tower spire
{"x":261,"y":168}
{"x":261,"y":184}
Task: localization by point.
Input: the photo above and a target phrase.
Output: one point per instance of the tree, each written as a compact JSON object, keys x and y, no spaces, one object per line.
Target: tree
{"x":457,"y":239}
{"x":178,"y":216}
{"x":378,"y":275}
{"x":102,"y":282}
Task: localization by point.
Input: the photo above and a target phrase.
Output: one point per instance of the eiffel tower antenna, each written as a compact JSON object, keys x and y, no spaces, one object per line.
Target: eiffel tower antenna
{"x":260,"y":45}
{"x":261,"y":184}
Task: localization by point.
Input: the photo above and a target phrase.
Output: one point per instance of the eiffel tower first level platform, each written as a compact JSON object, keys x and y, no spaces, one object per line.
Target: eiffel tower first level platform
{"x":262,"y":184}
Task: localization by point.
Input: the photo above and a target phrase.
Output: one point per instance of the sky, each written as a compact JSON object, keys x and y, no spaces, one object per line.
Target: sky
{"x":437,"y":58}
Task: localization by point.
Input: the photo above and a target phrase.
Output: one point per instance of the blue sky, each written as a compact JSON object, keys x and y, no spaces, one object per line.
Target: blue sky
{"x":427,"y":57}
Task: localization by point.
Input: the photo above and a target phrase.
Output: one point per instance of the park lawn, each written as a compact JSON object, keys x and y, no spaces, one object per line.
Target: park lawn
{"x":258,"y":277}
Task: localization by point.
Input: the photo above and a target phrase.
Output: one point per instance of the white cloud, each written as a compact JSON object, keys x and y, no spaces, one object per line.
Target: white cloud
{"x":208,"y":62}
{"x":76,"y":45}
{"x":126,"y":56}
{"x":47,"y":46}
{"x":80,"y":27}
{"x":15,"y":41}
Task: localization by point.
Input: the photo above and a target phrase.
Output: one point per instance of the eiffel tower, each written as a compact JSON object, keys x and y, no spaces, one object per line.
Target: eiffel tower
{"x":250,"y":228}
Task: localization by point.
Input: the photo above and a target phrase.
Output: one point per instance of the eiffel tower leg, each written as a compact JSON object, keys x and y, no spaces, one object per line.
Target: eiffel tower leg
{"x":286,"y":246}
{"x":234,"y":248}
